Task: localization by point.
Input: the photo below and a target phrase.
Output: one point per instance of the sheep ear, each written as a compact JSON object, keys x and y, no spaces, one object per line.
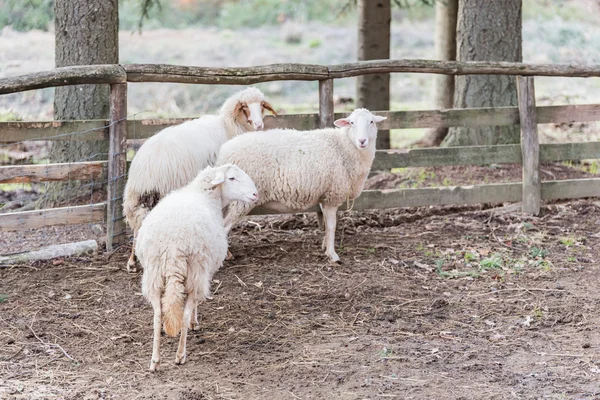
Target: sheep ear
{"x":218,"y":179}
{"x":266,"y":105}
{"x":342,"y":122}
{"x":239,"y":108}
{"x":378,"y":118}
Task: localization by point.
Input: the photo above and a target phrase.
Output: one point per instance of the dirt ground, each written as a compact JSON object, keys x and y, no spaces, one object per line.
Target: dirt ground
{"x":453,"y":303}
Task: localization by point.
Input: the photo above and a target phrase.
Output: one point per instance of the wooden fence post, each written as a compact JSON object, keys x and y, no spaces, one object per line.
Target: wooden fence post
{"x":117,"y":164}
{"x":325,"y":119}
{"x":326,"y":103}
{"x":530,"y":146}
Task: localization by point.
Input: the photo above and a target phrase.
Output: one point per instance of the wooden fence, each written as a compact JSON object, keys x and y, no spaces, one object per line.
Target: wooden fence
{"x":531,"y":191}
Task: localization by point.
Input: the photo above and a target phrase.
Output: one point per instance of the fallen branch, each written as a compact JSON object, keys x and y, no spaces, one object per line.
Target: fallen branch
{"x":50,"y":252}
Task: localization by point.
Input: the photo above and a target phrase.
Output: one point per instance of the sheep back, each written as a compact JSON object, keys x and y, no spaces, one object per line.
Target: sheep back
{"x":300,"y":168}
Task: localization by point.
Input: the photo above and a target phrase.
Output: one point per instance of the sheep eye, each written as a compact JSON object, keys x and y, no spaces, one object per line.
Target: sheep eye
{"x":371,"y":121}
{"x":232,"y":179}
{"x":351,"y":123}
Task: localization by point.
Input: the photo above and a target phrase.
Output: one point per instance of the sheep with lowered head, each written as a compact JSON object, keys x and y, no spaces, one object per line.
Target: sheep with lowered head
{"x":181,"y":244}
{"x":295,"y":170}
{"x":174,"y":156}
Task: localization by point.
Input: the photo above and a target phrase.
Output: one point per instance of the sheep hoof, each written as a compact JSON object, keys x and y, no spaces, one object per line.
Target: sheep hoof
{"x":229,"y":256}
{"x":154,"y":365}
{"x":131,"y":266}
{"x":334,"y":258}
{"x":180,"y":359}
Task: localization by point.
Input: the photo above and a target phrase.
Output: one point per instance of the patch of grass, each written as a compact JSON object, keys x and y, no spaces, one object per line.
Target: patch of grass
{"x":447,"y":182}
{"x":370,"y":251}
{"x":538,"y":313}
{"x":527,"y":226}
{"x":568,"y":241}
{"x":493,"y":262}
{"x":3,"y":298}
{"x":538,"y":252}
{"x":571,"y":259}
{"x":470,"y":256}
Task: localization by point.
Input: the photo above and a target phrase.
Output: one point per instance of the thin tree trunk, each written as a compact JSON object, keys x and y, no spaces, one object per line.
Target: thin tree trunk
{"x":487,"y":31}
{"x":86,"y":33}
{"x":446,"y":13}
{"x":373,"y":91}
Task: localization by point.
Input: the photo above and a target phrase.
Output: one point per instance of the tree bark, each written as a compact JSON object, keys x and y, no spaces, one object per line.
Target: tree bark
{"x":86,"y":33}
{"x":446,"y":13}
{"x":487,"y":31}
{"x":373,"y":91}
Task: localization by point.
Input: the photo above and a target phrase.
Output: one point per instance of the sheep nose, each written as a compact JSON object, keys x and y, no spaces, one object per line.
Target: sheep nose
{"x":258,"y":125}
{"x":255,"y":195}
{"x":362,"y":141}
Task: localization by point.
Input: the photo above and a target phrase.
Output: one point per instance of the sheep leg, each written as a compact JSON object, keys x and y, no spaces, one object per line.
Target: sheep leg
{"x":131,"y":265}
{"x":194,"y":319}
{"x":190,"y":306}
{"x":330,"y":213}
{"x":320,"y":220}
{"x":155,"y":360}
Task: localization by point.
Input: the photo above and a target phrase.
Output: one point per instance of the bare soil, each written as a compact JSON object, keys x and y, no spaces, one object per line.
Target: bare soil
{"x":454,"y":303}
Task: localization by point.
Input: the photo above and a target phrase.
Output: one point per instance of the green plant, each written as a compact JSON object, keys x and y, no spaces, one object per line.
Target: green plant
{"x":571,"y":259}
{"x":470,"y":256}
{"x":3,"y":298}
{"x":493,"y":262}
{"x":568,"y":241}
{"x":536,"y":252}
{"x":24,"y":15}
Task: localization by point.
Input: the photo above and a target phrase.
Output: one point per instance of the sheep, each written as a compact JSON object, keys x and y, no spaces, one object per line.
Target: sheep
{"x":181,"y":243}
{"x":174,"y":156}
{"x":295,"y":170}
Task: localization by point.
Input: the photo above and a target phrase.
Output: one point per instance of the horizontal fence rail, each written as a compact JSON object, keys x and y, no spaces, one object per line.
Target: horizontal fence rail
{"x":369,"y":199}
{"x":384,"y":160}
{"x":111,"y":74}
{"x":145,"y":128}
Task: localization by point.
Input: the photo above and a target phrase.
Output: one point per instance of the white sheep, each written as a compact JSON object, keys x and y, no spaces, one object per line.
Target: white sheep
{"x":181,"y":243}
{"x":174,"y":156}
{"x":295,"y":170}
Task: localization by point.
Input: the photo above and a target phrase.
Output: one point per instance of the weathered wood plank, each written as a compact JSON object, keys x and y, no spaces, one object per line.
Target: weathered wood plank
{"x":460,"y":68}
{"x":472,"y":155}
{"x":52,"y":172}
{"x":530,"y":146}
{"x":20,"y":221}
{"x":64,"y":76}
{"x":569,"y":151}
{"x":53,"y":130}
{"x":224,"y":76}
{"x":571,"y":189}
{"x":110,"y":74}
{"x":395,"y":198}
{"x":144,"y":128}
{"x":117,"y":164}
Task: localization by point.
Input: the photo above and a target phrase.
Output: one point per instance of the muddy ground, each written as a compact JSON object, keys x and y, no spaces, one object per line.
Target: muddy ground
{"x":453,"y":303}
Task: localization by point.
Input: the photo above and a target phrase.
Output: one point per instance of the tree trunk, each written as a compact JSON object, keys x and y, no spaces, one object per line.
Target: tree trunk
{"x":373,"y":91}
{"x":446,"y":13}
{"x":487,"y":31}
{"x":86,"y":33}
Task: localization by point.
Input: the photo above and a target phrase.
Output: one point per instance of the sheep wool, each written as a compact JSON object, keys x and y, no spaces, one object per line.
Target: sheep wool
{"x":295,"y":170}
{"x":174,"y":156}
{"x":182,"y":243}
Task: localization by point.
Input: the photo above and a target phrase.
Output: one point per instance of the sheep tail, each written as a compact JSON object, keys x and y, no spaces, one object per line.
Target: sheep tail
{"x":173,"y":300}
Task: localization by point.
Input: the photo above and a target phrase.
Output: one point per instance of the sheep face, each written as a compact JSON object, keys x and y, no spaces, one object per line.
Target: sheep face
{"x":252,"y":113}
{"x":235,"y":184}
{"x":361,"y":127}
